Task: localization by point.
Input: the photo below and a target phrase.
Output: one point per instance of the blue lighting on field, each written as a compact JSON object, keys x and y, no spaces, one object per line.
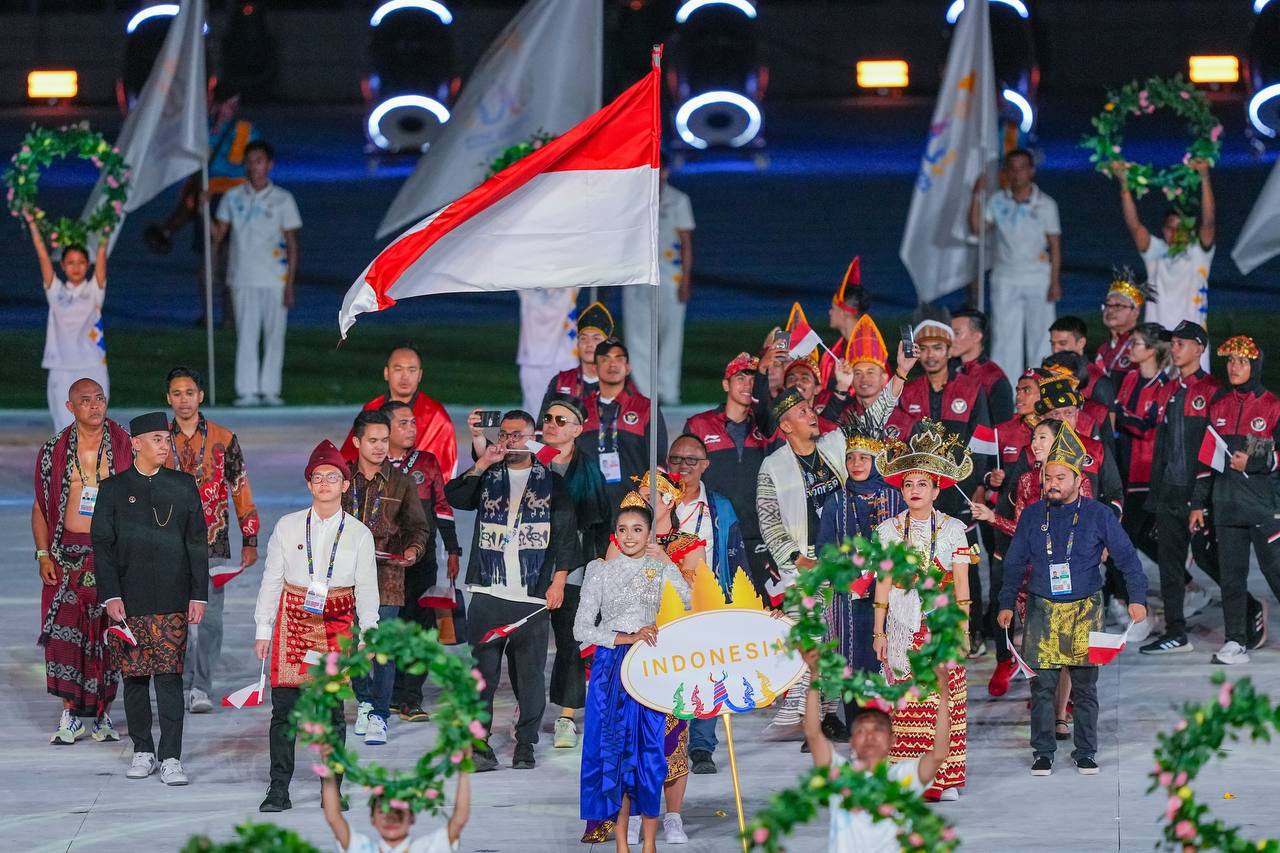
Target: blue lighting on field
{"x":953,"y":12}
{"x":433,"y":6}
{"x":697,"y":102}
{"x":1259,"y":5}
{"x":160,"y":10}
{"x":1024,"y":106}
{"x":1255,"y":108}
{"x":694,"y":5}
{"x":399,"y":102}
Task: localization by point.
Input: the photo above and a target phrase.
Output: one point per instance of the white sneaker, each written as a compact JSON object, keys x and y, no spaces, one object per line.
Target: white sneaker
{"x":1139,"y":631}
{"x":1230,"y":654}
{"x":566,"y":733}
{"x":144,"y":764}
{"x":377,"y":733}
{"x":1195,"y":600}
{"x":200,"y":702}
{"x":633,"y":829}
{"x":70,"y":730}
{"x":171,"y":772}
{"x":362,"y":718}
{"x":104,"y":731}
{"x":673,"y":827}
{"x":949,"y":795}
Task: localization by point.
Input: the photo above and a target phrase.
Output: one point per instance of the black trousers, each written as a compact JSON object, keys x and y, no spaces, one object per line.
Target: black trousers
{"x":282,"y":735}
{"x":417,"y":578}
{"x":137,"y":709}
{"x":1173,"y":538}
{"x":1233,"y":552}
{"x":1084,"y":696}
{"x":569,"y":671}
{"x":526,"y":650}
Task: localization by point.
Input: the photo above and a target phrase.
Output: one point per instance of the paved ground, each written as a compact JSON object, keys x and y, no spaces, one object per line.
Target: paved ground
{"x":78,"y":799}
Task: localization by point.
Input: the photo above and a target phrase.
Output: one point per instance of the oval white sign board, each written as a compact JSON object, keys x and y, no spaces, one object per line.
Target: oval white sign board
{"x":716,"y":662}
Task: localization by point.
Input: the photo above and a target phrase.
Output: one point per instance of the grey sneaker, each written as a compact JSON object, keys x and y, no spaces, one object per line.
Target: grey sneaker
{"x":70,"y":730}
{"x":171,"y":772}
{"x":566,"y":733}
{"x":1232,"y":653}
{"x":377,"y":731}
{"x":144,"y":764}
{"x":362,"y":718}
{"x":673,"y":829}
{"x":104,"y":731}
{"x":200,"y":702}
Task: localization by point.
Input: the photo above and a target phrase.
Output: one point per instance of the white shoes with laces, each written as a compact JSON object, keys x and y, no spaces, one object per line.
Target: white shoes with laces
{"x":144,"y":764}
{"x":171,"y":772}
{"x":1231,"y":654}
{"x":362,"y":718}
{"x":673,"y":829}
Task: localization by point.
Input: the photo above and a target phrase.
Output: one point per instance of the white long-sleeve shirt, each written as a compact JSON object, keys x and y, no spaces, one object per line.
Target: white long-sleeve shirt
{"x":354,"y":565}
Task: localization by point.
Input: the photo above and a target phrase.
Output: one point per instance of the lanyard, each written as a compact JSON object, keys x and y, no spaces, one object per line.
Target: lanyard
{"x":1071,"y":537}
{"x":177,"y":459}
{"x":904,"y":530}
{"x":607,"y":438}
{"x":97,"y":466}
{"x":358,"y":506}
{"x":333,"y":554}
{"x":405,"y":464}
{"x":701,"y":510}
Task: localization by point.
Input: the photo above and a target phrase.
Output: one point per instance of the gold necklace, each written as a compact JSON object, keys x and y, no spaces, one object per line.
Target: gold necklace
{"x":156,"y":516}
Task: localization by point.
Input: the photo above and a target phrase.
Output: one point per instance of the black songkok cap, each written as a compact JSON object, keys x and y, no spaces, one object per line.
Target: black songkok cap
{"x":150,"y":422}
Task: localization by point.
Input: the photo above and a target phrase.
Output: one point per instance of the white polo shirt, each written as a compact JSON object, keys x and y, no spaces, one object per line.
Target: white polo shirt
{"x":675,"y":214}
{"x":1021,"y":235}
{"x":258,"y":220}
{"x":1180,"y":283}
{"x":73,"y":333}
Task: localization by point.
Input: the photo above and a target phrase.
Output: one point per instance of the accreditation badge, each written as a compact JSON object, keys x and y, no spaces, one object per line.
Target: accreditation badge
{"x":1060,"y":578}
{"x":611,"y":467}
{"x":88,"y":499}
{"x":316,"y":595}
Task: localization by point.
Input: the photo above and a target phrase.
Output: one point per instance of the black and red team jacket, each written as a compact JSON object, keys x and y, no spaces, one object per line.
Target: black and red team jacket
{"x":1137,"y":410}
{"x":1199,"y":389}
{"x":733,"y":469}
{"x":631,"y":442}
{"x":1247,"y":421}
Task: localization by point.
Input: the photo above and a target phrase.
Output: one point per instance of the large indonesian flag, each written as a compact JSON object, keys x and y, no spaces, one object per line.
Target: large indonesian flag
{"x":581,"y":211}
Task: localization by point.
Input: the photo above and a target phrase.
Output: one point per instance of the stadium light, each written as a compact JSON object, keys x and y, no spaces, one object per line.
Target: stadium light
{"x":433,"y":6}
{"x":402,"y":102}
{"x":1256,"y":103}
{"x":954,"y":10}
{"x":882,"y":74}
{"x":1259,"y":5}
{"x":692,"y":6}
{"x":708,"y":99}
{"x":1024,"y":106}
{"x":1213,"y":69}
{"x":159,"y":10}
{"x":52,"y":85}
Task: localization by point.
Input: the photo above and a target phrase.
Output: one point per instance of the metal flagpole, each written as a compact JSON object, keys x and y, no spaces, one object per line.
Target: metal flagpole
{"x":982,"y":235}
{"x":654,"y":411}
{"x":208,"y":279}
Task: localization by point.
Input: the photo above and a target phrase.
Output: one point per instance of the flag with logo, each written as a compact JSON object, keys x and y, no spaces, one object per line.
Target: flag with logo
{"x":937,"y":248}
{"x":165,"y":137}
{"x":542,"y":73}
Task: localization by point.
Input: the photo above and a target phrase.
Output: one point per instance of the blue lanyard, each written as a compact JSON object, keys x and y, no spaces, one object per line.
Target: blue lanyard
{"x":358,"y":506}
{"x":1071,"y":537}
{"x":333,"y":554}
{"x":608,"y":439}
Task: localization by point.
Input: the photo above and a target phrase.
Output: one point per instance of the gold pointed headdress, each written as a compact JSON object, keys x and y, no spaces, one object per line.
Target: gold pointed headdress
{"x":933,"y":450}
{"x":1125,"y":283}
{"x":1067,"y":450}
{"x":669,"y":486}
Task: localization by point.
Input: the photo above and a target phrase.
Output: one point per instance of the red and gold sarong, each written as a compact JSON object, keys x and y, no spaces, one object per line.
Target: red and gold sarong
{"x":298,"y":632}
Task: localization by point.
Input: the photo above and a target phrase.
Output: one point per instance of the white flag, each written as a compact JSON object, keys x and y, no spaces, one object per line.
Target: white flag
{"x":937,"y":248}
{"x":542,"y":72}
{"x":1259,"y":239}
{"x":165,"y":137}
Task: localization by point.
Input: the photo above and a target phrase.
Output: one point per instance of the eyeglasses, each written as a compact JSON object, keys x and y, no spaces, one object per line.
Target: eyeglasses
{"x":690,"y":461}
{"x":559,"y":420}
{"x":331,"y":477}
{"x":513,"y":436}
{"x":1116,"y":306}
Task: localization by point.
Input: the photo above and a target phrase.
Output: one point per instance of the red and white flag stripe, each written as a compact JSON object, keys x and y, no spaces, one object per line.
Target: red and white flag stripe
{"x":121,"y":632}
{"x":1021,"y":668}
{"x":249,"y":695}
{"x":1213,"y":450}
{"x":985,"y":440}
{"x":544,"y":453}
{"x":507,"y":630}
{"x":804,"y":339}
{"x":1104,"y":647}
{"x":222,"y":575}
{"x":581,"y":211}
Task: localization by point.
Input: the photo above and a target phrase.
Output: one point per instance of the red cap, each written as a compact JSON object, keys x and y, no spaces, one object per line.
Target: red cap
{"x":743,"y":362}
{"x":326,"y":454}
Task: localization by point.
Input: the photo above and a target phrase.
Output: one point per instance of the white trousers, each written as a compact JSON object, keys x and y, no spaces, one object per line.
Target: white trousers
{"x":260,"y":318}
{"x":534,"y":379}
{"x":637,"y":316}
{"x":1020,"y":321}
{"x":60,"y":382}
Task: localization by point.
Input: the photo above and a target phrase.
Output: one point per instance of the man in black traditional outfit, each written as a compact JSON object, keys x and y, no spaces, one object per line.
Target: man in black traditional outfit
{"x":151,"y":551}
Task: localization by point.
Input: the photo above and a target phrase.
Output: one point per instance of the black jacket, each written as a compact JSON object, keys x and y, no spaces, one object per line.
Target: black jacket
{"x":150,"y":543}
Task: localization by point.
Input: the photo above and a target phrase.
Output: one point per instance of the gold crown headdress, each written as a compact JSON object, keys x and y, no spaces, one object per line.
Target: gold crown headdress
{"x":1242,"y":346}
{"x":932,"y":450}
{"x":1125,"y":283}
{"x":669,"y":485}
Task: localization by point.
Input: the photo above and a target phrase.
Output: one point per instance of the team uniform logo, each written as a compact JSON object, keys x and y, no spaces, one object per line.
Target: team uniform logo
{"x":1198,"y":403}
{"x":631,"y":419}
{"x":892,"y":431}
{"x":1258,"y":424}
{"x":959,"y":406}
{"x":418,"y":477}
{"x":711,"y":439}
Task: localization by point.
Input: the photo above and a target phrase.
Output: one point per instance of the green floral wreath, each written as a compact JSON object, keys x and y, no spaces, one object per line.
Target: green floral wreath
{"x":40,"y":147}
{"x":838,"y":569}
{"x":920,"y":828}
{"x":1179,"y":182}
{"x":459,"y":714}
{"x":1195,"y":740}
{"x":252,"y":838}
{"x":518,"y":151}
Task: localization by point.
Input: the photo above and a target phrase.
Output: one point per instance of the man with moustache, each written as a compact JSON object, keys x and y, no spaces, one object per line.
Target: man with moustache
{"x":69,"y":471}
{"x":151,"y":545}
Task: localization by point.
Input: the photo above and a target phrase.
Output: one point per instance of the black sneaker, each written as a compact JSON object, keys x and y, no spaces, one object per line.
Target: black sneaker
{"x":834,"y":728}
{"x":1168,"y":644}
{"x":1042,"y":766}
{"x":1258,"y":628}
{"x":1086,"y":766}
{"x":277,"y":800}
{"x":523,"y":758}
{"x":701,"y":763}
{"x":484,"y":759}
{"x":411,"y":712}
{"x":804,"y":747}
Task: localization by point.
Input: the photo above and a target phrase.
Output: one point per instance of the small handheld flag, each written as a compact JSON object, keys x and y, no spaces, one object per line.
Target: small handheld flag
{"x":438,"y":597}
{"x":1021,"y":668}
{"x":804,"y":339}
{"x":544,"y":453}
{"x":220,"y":576}
{"x":1104,"y":647}
{"x":985,"y":441}
{"x":121,"y":632}
{"x":249,"y":695}
{"x":858,"y":589}
{"x":507,"y":630}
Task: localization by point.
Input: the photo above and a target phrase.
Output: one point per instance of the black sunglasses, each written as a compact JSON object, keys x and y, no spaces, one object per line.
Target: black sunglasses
{"x":560,"y":420}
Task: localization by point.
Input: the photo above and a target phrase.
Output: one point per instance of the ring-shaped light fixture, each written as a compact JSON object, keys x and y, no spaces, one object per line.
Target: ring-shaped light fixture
{"x":422,"y":102}
{"x":1255,"y":109}
{"x":692,"y":6}
{"x":697,"y":102}
{"x":435,"y":7}
{"x":954,"y":10}
{"x":1024,"y":106}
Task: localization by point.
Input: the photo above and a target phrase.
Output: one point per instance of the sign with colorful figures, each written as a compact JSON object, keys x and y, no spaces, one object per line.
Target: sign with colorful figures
{"x":727,"y":658}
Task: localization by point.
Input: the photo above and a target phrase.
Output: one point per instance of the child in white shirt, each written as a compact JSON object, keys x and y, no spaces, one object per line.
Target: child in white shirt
{"x":393,"y":824}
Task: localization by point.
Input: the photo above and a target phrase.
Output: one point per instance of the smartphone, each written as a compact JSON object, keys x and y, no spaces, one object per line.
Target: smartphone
{"x":782,"y":341}
{"x":908,"y":339}
{"x":490,"y":419}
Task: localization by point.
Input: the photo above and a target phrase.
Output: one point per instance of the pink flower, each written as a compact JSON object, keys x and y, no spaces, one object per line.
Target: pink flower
{"x":1215,"y":133}
{"x":915,"y":840}
{"x":376,"y":790}
{"x":808,"y":602}
{"x":1142,"y":96}
{"x":902,"y":703}
{"x":928,"y":583}
{"x":331,"y":664}
{"x":112,"y":182}
{"x":848,"y":672}
{"x":885,"y":809}
{"x":399,"y":804}
{"x":1180,"y":779}
{"x":760,"y":836}
{"x":320,"y":770}
{"x":859,"y":560}
{"x":886,"y":564}
{"x":480,"y":682}
{"x":1115,"y":149}
{"x":1185,"y":830}
{"x":1185,"y":95}
{"x":1224,"y":695}
{"x":1171,"y":807}
{"x":1166,"y":779}
{"x":431,"y":793}
{"x":941,"y":601}
{"x":477,"y":729}
{"x":456,"y":758}
{"x":859,"y":764}
{"x":26,"y":149}
{"x":117,"y":206}
{"x":1181,"y":725}
{"x":949,"y":834}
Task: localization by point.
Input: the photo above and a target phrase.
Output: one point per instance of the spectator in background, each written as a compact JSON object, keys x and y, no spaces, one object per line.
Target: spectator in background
{"x":263,"y":221}
{"x":1120,"y":312}
{"x":1028,"y":259}
{"x":546,"y":344}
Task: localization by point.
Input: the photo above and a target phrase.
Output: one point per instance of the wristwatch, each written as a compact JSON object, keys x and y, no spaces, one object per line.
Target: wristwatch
{"x":41,"y":553}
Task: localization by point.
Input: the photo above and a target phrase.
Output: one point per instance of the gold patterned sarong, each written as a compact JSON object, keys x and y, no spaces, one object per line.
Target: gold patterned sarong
{"x":1057,"y":632}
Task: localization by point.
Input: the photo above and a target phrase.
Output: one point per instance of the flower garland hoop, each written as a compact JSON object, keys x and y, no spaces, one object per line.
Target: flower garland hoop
{"x":40,"y":148}
{"x":839,"y":568}
{"x":920,"y":828}
{"x":459,"y":713}
{"x":518,"y":151}
{"x":252,"y":837}
{"x":1178,"y":182}
{"x":1195,"y":740}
